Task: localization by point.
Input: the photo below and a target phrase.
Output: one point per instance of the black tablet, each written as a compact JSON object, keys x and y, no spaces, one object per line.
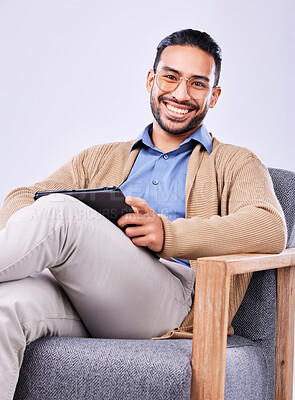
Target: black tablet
{"x":108,"y":201}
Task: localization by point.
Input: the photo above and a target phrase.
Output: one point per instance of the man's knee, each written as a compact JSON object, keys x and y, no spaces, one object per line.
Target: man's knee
{"x":56,"y":207}
{"x":62,"y":207}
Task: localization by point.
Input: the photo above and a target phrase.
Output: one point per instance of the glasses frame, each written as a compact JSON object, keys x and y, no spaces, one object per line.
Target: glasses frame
{"x":181,"y":77}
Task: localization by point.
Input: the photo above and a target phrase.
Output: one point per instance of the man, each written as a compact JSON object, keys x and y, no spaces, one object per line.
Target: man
{"x":192,"y":196}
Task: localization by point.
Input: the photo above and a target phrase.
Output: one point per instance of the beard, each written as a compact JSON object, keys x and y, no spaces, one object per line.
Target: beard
{"x":193,"y":124}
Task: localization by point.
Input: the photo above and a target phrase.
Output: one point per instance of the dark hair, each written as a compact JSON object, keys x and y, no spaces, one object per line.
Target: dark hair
{"x":191,"y":37}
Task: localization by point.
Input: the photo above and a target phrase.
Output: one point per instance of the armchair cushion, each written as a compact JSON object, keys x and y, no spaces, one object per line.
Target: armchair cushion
{"x":256,"y":320}
{"x":76,"y":369}
{"x":246,"y":373}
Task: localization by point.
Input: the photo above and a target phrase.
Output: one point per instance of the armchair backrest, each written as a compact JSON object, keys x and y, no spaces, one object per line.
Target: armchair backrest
{"x":284,"y":186}
{"x":256,"y":317}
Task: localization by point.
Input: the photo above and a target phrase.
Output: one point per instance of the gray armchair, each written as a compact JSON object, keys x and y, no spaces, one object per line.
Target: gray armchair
{"x":255,"y":363}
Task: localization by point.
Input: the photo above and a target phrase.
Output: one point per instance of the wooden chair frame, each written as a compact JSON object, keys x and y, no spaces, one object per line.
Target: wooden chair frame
{"x":211,"y":320}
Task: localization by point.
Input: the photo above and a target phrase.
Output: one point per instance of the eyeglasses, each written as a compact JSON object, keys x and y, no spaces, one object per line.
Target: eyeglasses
{"x":168,"y":81}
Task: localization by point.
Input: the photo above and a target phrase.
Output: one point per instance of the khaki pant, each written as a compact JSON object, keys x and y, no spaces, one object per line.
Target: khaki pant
{"x":62,"y":263}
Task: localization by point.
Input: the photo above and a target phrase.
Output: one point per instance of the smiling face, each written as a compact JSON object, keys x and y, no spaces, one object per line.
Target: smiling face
{"x":177,"y":113}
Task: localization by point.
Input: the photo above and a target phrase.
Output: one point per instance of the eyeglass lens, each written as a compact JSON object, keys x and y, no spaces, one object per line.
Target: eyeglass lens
{"x":168,"y":81}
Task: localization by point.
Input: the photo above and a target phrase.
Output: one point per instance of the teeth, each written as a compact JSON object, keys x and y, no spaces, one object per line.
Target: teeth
{"x":176,"y":110}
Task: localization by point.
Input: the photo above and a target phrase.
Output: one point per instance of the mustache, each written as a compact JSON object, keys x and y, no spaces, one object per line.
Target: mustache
{"x":164,"y":97}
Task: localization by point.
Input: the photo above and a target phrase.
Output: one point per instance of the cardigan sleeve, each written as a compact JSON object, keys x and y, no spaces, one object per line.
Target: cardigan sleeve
{"x":70,"y":176}
{"x":95,"y":165}
{"x":251,"y":219}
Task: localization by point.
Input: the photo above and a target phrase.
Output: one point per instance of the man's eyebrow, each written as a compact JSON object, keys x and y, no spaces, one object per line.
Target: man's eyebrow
{"x":205,"y":78}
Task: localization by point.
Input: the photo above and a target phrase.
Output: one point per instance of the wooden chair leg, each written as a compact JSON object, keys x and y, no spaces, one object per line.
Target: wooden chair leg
{"x":210,"y":331}
{"x":285,"y":332}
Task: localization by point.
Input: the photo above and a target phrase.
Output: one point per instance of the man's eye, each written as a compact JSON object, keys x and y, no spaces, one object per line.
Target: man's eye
{"x":172,"y":77}
{"x":199,"y":84}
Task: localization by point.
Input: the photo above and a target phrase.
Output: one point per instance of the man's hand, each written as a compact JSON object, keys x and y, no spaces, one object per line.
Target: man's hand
{"x":148,"y":230}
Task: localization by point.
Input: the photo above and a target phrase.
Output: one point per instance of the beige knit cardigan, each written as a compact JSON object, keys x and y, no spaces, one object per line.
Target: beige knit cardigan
{"x":230,"y":205}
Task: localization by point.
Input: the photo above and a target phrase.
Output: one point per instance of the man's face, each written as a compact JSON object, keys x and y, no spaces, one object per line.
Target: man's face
{"x":176,"y":112}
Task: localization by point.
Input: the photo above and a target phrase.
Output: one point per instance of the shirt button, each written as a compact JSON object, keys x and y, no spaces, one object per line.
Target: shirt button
{"x":166,"y":156}
{"x":155,"y":182}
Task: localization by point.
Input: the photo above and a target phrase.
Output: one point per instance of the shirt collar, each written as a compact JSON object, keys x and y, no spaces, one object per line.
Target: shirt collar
{"x":200,"y":135}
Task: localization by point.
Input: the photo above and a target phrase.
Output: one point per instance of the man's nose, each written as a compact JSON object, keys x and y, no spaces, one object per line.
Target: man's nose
{"x":181,"y":92}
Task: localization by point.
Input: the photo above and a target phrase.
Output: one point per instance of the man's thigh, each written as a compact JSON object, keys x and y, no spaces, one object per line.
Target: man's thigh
{"x":120,"y":290}
{"x":117,"y":288}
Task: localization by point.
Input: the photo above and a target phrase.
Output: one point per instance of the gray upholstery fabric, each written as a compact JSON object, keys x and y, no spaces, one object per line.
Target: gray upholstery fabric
{"x":256,"y":317}
{"x":256,"y":320}
{"x":90,"y":369}
{"x":284,"y":186}
{"x":246,"y":370}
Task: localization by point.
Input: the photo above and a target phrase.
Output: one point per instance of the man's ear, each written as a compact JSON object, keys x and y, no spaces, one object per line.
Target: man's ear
{"x":215,"y":96}
{"x":150,"y":80}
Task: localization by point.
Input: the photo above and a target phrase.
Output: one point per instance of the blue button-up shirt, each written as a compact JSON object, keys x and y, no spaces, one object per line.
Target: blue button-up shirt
{"x":159,"y":177}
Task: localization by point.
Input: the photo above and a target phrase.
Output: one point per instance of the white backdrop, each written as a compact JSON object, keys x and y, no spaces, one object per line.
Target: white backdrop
{"x":72,"y":74}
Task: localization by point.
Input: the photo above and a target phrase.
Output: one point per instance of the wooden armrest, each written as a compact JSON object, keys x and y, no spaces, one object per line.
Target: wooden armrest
{"x":211,"y":320}
{"x":243,"y":263}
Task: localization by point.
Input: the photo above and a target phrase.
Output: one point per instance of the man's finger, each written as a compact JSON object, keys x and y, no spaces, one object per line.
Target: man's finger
{"x":139,"y":204}
{"x":134,"y":231}
{"x":133,"y":219}
{"x":139,"y":241}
